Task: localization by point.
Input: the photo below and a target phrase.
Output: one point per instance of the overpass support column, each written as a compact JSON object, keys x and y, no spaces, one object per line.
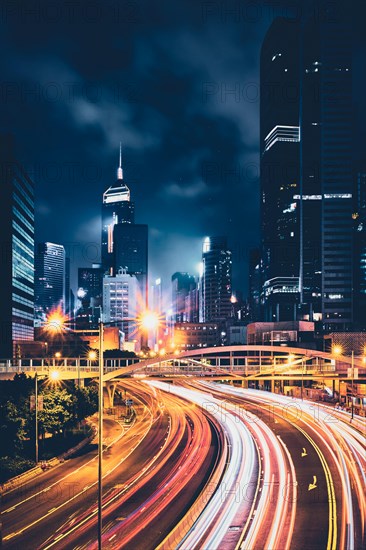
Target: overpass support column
{"x":244,"y":384}
{"x":272,"y":385}
{"x":111,"y":390}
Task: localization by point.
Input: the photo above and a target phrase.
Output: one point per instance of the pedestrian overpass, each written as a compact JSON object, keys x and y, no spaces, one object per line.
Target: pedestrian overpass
{"x":246,"y":361}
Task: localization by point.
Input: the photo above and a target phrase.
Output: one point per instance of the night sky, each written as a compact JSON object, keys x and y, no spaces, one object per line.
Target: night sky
{"x":78,"y":77}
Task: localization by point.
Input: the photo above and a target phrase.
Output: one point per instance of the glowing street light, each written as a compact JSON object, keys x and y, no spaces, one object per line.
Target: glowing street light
{"x":56,"y":321}
{"x":92,"y":355}
{"x":337,"y":350}
{"x":149,"y":320}
{"x":54,"y":375}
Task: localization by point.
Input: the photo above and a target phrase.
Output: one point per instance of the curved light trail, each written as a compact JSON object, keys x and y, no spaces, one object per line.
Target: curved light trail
{"x":341,"y":450}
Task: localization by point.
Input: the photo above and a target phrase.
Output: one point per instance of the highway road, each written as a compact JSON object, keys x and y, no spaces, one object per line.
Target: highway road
{"x":310,"y":492}
{"x":205,"y":466}
{"x":146,"y":466}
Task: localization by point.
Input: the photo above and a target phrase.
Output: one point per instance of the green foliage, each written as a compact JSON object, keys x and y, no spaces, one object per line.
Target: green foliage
{"x":11,"y":466}
{"x":63,"y":407}
{"x":11,"y":428}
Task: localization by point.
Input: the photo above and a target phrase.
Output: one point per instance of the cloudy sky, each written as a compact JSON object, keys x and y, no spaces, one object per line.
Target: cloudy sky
{"x":176,"y":81}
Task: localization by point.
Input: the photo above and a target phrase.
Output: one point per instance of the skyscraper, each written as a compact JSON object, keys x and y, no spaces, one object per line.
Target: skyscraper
{"x":17,"y":251}
{"x":359,"y":219}
{"x":117,"y":208}
{"x":280,"y":169}
{"x":90,"y":283}
{"x":49,"y":279}
{"x":182,"y":284}
{"x":215,"y":288}
{"x":254,"y":285}
{"x":122,"y":302}
{"x":131,"y":253}
{"x":306,"y":170}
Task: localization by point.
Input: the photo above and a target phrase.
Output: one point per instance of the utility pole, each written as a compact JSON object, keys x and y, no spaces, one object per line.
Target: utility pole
{"x":100,"y":435}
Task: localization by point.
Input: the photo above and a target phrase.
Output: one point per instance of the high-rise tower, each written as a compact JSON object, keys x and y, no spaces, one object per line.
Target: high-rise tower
{"x":49,"y":279}
{"x":215,"y":288}
{"x":117,"y":208}
{"x":306,"y":170}
{"x":17,"y":251}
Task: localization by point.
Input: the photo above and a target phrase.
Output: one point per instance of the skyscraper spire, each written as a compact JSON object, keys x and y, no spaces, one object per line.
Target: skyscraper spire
{"x":120,"y":171}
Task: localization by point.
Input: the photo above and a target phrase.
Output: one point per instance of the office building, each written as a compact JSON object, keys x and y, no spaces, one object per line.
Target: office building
{"x":90,"y":284}
{"x":69,"y":295}
{"x":131,"y":253}
{"x":49,"y":279}
{"x":17,"y":251}
{"x":182,"y":285}
{"x":122,"y":302}
{"x":359,"y":229}
{"x":188,"y":336}
{"x":117,"y":208}
{"x":280,"y":169}
{"x":191,"y":308}
{"x":215,"y":282}
{"x":255,"y":287}
{"x":306,"y":171}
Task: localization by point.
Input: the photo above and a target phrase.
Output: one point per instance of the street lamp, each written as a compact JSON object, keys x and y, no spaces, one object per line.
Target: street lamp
{"x":337,"y":350}
{"x":100,"y":437}
{"x":149,"y":320}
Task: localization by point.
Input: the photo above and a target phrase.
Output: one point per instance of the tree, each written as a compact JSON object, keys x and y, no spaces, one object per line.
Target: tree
{"x":57,"y":413}
{"x":11,"y":429}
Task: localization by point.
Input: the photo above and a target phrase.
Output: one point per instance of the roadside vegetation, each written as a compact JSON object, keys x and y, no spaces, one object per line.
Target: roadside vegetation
{"x":61,"y":420}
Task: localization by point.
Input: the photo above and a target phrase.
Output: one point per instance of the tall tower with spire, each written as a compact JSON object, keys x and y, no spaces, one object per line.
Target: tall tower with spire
{"x":117,"y":208}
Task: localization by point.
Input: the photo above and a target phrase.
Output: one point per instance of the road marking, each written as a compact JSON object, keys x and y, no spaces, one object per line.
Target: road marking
{"x":313,"y":485}
{"x":304,"y":453}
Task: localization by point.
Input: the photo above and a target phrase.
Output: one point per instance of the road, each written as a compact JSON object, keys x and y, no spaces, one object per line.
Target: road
{"x":310,"y":492}
{"x":205,"y":466}
{"x":145,"y":467}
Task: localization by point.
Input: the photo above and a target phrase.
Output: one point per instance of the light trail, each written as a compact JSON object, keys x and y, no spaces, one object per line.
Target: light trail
{"x":343,"y":443}
{"x":212,"y":527}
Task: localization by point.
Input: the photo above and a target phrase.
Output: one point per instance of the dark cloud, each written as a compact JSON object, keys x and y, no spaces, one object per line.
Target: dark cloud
{"x":176,"y":82}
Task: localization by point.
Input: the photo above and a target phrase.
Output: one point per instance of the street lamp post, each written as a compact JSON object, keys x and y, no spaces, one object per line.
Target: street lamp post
{"x":353,"y":376}
{"x":36,"y":411}
{"x":55,"y":323}
{"x":100,"y":437}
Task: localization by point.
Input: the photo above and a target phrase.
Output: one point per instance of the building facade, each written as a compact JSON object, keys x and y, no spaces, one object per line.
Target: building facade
{"x":131,"y":253}
{"x":182,"y":285}
{"x":90,"y":283}
{"x":306,"y":171}
{"x":49,"y":279}
{"x":121,"y":302}
{"x":188,"y":336}
{"x":17,"y":250}
{"x":117,"y":208}
{"x":215,"y":282}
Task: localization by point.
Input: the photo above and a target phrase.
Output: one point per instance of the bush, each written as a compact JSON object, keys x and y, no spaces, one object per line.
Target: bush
{"x":11,"y":466}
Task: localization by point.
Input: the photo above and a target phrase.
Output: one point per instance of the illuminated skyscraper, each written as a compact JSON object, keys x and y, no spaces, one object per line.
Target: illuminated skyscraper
{"x":49,"y":279}
{"x":182,"y":284}
{"x":122,"y":301}
{"x":215,"y":287}
{"x":117,"y":208}
{"x":17,"y":251}
{"x":131,"y":252}
{"x":306,"y":169}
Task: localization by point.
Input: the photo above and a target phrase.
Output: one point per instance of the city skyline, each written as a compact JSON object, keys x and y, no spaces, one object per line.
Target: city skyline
{"x":190,"y":137}
{"x":183,"y":274}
